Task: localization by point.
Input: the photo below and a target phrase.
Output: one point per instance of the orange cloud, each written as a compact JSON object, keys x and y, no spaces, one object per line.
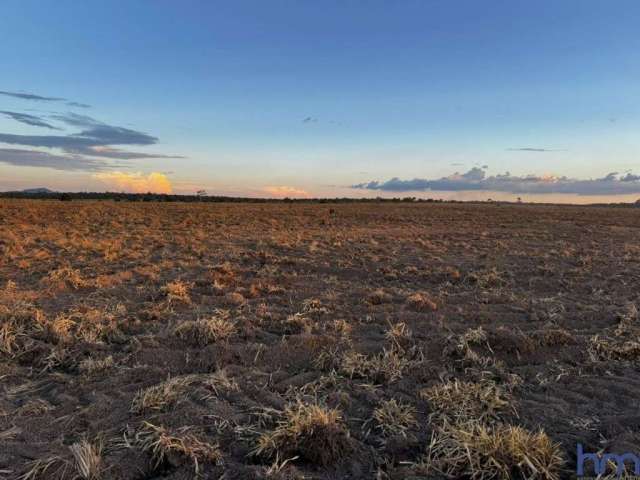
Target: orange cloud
{"x":136,"y":182}
{"x":283,"y":191}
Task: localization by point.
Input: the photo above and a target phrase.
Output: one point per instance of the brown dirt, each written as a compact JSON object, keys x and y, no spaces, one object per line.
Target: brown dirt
{"x":338,"y":308}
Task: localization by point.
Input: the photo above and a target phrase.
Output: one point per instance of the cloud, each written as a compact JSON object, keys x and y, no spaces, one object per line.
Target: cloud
{"x":76,"y":120}
{"x":28,"y":119}
{"x":35,"y":158}
{"x":476,"y":180}
{"x":94,"y":139}
{"x":110,"y":152}
{"x":78,"y":104}
{"x":135,"y":182}
{"x":31,"y":96}
{"x":40,"y":98}
{"x":283,"y":191}
{"x":94,"y":135}
{"x":532,"y":149}
{"x":630,"y":177}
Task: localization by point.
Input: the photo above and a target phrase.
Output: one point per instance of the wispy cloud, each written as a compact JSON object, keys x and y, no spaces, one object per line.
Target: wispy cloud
{"x":116,"y":153}
{"x":135,"y":182}
{"x":76,"y":119}
{"x":100,"y":135}
{"x":476,"y":180}
{"x":534,"y":149}
{"x":79,"y":151}
{"x":35,"y":158}
{"x":41,"y":98}
{"x":78,"y":105}
{"x":28,"y":119}
{"x":31,"y":96}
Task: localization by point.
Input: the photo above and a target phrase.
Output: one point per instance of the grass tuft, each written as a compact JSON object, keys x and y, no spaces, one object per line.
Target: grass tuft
{"x":205,"y":331}
{"x":501,"y":452}
{"x":163,"y":444}
{"x":394,"y":418}
{"x":313,"y":432}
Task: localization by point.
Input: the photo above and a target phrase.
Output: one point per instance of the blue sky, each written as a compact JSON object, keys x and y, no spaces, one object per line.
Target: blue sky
{"x":314,"y":98}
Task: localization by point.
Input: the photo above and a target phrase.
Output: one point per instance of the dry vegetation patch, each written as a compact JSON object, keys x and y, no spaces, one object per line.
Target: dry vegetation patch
{"x":313,"y":432}
{"x":500,"y":452}
{"x":83,"y":461}
{"x":313,"y":340}
{"x":394,"y":418}
{"x":205,"y":331}
{"x":421,"y":302}
{"x":385,"y":367}
{"x":458,"y":401}
{"x":162,"y":396}
{"x":174,"y":447}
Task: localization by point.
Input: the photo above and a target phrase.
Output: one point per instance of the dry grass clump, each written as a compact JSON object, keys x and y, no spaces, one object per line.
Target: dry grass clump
{"x":205,"y":331}
{"x":297,"y":323}
{"x":340,"y":327}
{"x":161,"y":396}
{"x":17,"y":327}
{"x":461,"y":348}
{"x":421,"y":302}
{"x":88,"y":325}
{"x":378,"y":297}
{"x":259,"y":288}
{"x":65,"y":277}
{"x":398,"y":334}
{"x":235,"y":299}
{"x":219,"y":382}
{"x":458,"y":401}
{"x":87,"y":459}
{"x":91,"y":366}
{"x":487,"y":279}
{"x":602,"y":349}
{"x":177,"y":292}
{"x":223,"y":276}
{"x":386,"y":367}
{"x":313,"y":432}
{"x":554,"y":337}
{"x":54,"y":467}
{"x":394,"y":418}
{"x":84,"y":462}
{"x":616,"y":348}
{"x":12,"y":337}
{"x":503,"y":452}
{"x":179,"y":445}
{"x":474,"y":336}
{"x":33,"y":408}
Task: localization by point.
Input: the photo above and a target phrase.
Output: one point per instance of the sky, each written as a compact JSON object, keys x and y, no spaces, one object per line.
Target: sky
{"x":436,"y":99}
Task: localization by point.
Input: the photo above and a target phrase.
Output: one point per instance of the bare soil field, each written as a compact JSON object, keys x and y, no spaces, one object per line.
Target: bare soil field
{"x":315,"y":341}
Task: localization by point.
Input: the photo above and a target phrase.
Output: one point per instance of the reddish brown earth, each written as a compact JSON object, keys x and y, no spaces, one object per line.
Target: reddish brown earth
{"x":316,"y":305}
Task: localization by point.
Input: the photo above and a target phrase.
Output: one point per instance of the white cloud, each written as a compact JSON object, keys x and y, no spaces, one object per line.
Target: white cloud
{"x":155,"y":182}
